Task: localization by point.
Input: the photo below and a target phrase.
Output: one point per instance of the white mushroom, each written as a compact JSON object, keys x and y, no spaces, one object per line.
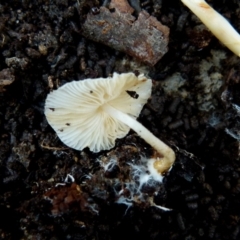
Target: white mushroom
{"x":95,"y":112}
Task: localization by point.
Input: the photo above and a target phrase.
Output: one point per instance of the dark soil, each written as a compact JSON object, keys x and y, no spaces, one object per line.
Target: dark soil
{"x":195,"y":108}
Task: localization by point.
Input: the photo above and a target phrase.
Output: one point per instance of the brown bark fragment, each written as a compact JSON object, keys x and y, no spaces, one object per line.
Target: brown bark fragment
{"x":145,"y":38}
{"x":122,"y":6}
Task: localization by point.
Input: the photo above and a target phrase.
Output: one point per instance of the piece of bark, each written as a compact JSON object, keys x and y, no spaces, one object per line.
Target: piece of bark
{"x":145,"y":38}
{"x":6,"y":78}
{"x":121,"y":6}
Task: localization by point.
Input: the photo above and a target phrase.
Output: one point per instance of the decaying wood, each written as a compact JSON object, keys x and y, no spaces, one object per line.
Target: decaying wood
{"x":144,"y":38}
{"x":121,"y":6}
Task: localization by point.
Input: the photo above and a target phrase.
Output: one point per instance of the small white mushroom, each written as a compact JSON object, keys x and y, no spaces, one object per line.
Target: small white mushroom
{"x":216,"y":23}
{"x":95,"y":112}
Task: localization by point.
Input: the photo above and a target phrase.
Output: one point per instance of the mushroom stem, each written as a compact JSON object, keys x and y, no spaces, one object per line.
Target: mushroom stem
{"x":167,"y":153}
{"x":216,"y":23}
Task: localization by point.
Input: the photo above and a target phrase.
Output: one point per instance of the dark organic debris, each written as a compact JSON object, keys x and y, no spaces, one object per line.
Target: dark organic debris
{"x":200,"y":36}
{"x":17,"y":63}
{"x":145,"y":38}
{"x":65,"y":198}
{"x":133,"y":94}
{"x":6,"y":78}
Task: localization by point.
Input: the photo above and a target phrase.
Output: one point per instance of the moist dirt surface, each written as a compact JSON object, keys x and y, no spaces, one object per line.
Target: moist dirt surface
{"x":49,"y":191}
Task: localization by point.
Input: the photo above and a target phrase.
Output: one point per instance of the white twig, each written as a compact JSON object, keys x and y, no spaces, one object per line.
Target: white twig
{"x":216,"y":23}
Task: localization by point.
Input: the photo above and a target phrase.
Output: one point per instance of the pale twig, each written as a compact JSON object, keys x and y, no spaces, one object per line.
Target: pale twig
{"x":216,"y":23}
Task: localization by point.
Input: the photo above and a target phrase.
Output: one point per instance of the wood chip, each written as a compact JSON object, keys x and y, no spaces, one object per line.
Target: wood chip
{"x":121,"y":6}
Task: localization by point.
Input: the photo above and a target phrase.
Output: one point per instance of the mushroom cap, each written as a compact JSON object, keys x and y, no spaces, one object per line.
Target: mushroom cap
{"x":75,"y":109}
